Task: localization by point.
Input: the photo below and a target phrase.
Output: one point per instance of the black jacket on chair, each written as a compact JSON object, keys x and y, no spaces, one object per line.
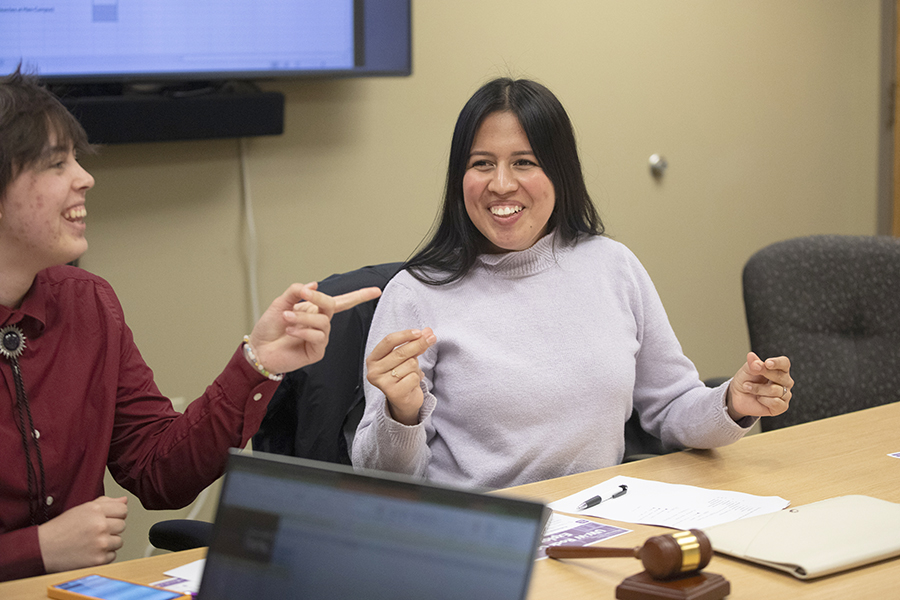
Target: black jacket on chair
{"x":310,"y":409}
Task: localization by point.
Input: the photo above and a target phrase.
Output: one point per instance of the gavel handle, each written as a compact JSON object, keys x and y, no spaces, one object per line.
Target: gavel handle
{"x":590,"y":552}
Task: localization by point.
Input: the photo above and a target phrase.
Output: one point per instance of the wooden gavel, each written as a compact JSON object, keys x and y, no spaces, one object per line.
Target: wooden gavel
{"x":664,"y":556}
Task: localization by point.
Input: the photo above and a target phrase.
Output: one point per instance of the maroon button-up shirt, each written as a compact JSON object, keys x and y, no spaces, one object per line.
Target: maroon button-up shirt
{"x":94,"y":405}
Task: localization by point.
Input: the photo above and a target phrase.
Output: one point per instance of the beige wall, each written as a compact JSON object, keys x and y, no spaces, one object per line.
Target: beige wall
{"x":767,"y":111}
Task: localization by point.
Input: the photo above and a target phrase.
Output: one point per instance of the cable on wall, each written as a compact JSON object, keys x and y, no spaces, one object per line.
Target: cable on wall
{"x":253,"y":292}
{"x":251,"y":240}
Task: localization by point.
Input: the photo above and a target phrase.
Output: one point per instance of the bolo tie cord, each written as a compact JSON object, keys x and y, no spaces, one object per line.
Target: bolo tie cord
{"x":13,"y":344}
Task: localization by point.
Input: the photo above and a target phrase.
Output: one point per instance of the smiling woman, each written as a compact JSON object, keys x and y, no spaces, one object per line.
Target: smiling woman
{"x":508,"y":196}
{"x":513,"y":116}
{"x":514,"y":346}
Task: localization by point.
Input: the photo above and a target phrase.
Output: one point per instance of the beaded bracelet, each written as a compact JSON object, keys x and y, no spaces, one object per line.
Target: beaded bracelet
{"x":251,"y":358}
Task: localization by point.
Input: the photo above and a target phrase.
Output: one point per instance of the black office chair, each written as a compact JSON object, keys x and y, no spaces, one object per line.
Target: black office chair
{"x":314,"y":407}
{"x":830,"y":304}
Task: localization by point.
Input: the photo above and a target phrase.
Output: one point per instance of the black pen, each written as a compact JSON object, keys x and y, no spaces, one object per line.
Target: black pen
{"x":597,"y":499}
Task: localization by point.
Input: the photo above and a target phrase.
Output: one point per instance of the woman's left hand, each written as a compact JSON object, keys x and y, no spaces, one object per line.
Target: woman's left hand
{"x":760,"y":388}
{"x":294,"y":330}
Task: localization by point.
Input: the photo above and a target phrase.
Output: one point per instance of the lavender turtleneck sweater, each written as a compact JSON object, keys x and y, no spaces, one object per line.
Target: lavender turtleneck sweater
{"x":540,"y":357}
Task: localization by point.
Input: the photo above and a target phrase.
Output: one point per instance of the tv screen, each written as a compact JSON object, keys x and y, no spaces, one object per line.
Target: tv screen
{"x":69,"y":41}
{"x":159,"y":70}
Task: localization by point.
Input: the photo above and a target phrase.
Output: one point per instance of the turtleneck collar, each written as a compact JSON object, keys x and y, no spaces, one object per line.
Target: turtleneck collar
{"x":544,"y":254}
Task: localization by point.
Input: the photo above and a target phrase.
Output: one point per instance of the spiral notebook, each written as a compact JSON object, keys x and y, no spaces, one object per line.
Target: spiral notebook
{"x":293,"y":528}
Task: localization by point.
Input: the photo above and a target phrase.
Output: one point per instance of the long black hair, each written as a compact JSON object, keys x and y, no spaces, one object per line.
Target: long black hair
{"x":456,"y":242}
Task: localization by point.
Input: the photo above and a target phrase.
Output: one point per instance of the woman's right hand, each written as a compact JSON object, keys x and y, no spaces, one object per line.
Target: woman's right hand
{"x":393,"y":367}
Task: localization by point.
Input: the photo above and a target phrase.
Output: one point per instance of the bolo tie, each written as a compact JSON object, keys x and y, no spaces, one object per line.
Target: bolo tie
{"x":12,"y":345}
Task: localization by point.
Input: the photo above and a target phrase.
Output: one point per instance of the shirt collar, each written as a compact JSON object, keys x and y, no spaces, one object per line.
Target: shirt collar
{"x":32,"y":313}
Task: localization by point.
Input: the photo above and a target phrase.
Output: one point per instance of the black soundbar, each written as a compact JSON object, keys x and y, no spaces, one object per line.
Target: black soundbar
{"x":138,"y":118}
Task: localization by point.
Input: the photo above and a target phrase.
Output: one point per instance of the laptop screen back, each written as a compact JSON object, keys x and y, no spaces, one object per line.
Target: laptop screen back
{"x":293,"y":528}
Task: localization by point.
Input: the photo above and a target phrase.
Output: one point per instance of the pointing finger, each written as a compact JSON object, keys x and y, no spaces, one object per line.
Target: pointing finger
{"x":351,"y":299}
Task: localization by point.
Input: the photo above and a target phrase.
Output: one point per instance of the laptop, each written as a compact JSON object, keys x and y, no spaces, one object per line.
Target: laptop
{"x":293,"y":528}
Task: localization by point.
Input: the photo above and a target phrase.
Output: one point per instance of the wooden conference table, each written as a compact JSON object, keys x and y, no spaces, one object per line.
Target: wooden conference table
{"x":805,"y":463}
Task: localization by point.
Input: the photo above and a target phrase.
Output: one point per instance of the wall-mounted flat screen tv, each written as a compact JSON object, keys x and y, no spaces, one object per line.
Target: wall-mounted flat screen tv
{"x":164,"y":70}
{"x":90,"y":41}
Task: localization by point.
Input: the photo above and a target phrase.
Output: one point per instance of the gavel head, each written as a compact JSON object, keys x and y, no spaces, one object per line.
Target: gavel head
{"x":676,"y":554}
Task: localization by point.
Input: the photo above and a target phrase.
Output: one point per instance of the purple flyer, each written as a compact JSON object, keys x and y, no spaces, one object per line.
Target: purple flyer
{"x":563,"y":530}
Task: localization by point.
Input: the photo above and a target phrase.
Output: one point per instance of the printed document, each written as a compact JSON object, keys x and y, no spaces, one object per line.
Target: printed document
{"x":667,"y":504}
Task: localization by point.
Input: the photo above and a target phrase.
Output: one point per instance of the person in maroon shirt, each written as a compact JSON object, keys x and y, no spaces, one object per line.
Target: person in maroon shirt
{"x":75,"y":395}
